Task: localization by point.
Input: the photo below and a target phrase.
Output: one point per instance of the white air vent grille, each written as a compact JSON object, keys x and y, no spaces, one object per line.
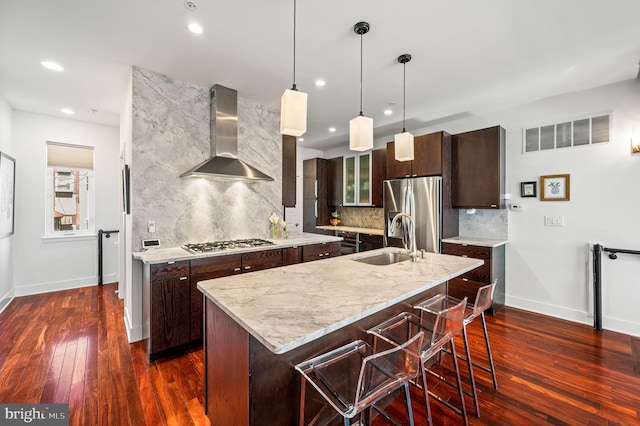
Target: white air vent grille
{"x":585,"y":131}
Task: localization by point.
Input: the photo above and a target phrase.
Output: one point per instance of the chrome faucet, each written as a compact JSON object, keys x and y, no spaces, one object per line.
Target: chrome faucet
{"x":412,"y":245}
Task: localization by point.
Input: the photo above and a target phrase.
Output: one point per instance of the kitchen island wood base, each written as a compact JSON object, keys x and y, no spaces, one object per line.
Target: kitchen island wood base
{"x":247,"y":384}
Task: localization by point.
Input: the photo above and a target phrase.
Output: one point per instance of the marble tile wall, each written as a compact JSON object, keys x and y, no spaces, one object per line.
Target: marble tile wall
{"x":362,"y":217}
{"x":485,"y":223}
{"x":170,"y":136}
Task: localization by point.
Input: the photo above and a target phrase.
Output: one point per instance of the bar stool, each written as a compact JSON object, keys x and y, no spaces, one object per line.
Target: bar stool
{"x":483,"y":301}
{"x":335,"y":376}
{"x":440,"y":325}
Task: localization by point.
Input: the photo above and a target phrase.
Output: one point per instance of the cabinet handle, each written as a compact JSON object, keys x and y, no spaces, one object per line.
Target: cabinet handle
{"x":236,"y":269}
{"x":493,"y":206}
{"x":321,"y":254}
{"x":247,"y":267}
{"x":183,"y":278}
{"x":465,"y":279}
{"x":326,"y":254}
{"x":171,"y":262}
{"x":464,"y":255}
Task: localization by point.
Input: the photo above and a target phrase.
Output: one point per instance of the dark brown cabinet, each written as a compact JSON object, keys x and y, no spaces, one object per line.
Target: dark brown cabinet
{"x":321,"y":251}
{"x":432,"y":157}
{"x":169,"y":307}
{"x":378,"y":175}
{"x":288,"y":171}
{"x":492,"y":269}
{"x":478,"y":168}
{"x":263,"y":259}
{"x":370,"y":242}
{"x":315,"y":211}
{"x":334,"y":182}
{"x":206,"y":269}
{"x":291,"y":255}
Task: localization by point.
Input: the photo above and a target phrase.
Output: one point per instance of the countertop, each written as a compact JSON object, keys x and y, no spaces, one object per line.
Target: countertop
{"x":340,"y":228}
{"x":160,"y":255}
{"x":286,"y":307}
{"x":474,"y":241}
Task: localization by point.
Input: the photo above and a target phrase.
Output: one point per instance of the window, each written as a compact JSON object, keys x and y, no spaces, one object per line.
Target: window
{"x":70,"y":193}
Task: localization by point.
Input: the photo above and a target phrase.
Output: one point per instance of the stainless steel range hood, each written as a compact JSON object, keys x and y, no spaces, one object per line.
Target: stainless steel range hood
{"x":224,"y":163}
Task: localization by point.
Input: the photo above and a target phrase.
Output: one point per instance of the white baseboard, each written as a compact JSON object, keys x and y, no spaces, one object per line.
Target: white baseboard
{"x":28,"y":290}
{"x":582,"y":317}
{"x":134,"y":334}
{"x":7,"y":299}
{"x":562,"y":312}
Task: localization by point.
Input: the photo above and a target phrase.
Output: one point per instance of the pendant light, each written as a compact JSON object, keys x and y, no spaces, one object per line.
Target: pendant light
{"x":361,"y":127}
{"x":293,"y":104}
{"x":404,"y":140}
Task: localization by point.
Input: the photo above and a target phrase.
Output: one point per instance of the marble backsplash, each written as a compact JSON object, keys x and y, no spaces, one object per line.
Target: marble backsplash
{"x":170,"y":136}
{"x":485,"y":223}
{"x":362,"y":217}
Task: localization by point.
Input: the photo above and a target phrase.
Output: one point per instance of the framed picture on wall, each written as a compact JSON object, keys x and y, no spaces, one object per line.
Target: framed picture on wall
{"x":528,"y":189}
{"x":554,"y":188}
{"x":7,"y":194}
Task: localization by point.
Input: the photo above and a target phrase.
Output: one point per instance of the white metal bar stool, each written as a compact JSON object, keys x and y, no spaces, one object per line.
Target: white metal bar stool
{"x":353,"y":378}
{"x":439,"y":326}
{"x":483,"y":301}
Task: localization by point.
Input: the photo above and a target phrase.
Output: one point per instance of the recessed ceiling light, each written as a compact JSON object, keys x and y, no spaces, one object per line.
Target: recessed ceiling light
{"x":332,"y":129}
{"x":67,"y":111}
{"x":320,"y":83}
{"x":300,"y":139}
{"x":195,"y":28}
{"x":52,"y":65}
{"x":388,"y":112}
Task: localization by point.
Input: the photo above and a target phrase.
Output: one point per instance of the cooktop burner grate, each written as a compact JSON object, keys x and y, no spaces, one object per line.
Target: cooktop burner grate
{"x":226,"y":245}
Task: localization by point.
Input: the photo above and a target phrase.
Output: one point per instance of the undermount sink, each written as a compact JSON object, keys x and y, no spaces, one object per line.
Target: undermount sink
{"x":384,"y":258}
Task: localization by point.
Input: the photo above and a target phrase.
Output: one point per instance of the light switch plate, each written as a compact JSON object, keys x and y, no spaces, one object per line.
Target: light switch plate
{"x":151,"y":226}
{"x":554,"y":221}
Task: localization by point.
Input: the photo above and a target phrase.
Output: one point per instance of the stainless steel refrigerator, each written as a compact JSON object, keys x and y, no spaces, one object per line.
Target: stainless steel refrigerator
{"x":421,"y":198}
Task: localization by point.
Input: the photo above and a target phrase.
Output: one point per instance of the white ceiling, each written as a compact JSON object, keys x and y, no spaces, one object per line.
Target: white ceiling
{"x":469,"y":56}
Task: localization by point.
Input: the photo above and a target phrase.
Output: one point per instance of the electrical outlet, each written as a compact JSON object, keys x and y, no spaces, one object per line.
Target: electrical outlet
{"x":554,"y":221}
{"x":151,"y":226}
{"x":516,"y":207}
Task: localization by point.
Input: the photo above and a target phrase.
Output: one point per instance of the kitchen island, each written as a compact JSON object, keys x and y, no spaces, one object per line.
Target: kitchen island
{"x":258,"y":326}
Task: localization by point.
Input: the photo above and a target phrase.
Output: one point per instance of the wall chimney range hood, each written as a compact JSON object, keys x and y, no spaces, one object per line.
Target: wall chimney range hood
{"x":224,"y":163}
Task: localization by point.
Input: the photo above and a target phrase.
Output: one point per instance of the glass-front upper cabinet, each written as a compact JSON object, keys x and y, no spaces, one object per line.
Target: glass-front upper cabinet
{"x":357,"y":180}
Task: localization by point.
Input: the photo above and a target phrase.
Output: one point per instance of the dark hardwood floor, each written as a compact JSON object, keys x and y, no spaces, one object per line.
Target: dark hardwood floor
{"x":71,"y":347}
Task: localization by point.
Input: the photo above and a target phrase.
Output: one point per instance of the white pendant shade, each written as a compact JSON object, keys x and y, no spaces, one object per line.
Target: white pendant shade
{"x":293,"y":113}
{"x":404,"y":146}
{"x":361,"y":133}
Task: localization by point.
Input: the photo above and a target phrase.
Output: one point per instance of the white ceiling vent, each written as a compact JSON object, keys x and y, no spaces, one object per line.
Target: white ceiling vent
{"x":584,"y":131}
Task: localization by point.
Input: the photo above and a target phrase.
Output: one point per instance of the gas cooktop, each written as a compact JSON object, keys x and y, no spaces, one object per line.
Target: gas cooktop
{"x":225,"y":245}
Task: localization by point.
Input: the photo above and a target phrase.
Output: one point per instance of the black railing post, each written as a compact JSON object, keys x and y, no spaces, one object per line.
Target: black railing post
{"x":597,"y":287}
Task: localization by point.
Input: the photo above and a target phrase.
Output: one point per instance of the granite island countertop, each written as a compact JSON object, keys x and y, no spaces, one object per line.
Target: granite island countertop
{"x":169,"y":254}
{"x":286,"y":307}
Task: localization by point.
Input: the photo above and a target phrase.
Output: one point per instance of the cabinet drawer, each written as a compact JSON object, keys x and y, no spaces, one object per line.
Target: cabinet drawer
{"x":459,"y":288}
{"x":214,"y":264}
{"x":481,"y":273}
{"x":476,"y":252}
{"x":263,"y":259}
{"x":169,"y":270}
{"x":320,"y":251}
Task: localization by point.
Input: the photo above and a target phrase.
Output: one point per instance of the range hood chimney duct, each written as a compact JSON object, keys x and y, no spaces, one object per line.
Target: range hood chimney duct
{"x":224,"y":163}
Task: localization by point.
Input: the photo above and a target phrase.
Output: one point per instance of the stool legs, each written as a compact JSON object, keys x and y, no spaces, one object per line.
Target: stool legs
{"x":472,"y":379}
{"x":486,"y":341}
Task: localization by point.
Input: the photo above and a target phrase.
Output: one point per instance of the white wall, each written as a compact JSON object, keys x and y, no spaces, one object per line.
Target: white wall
{"x":6,"y":243}
{"x":547,"y":267}
{"x":41,"y":266}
